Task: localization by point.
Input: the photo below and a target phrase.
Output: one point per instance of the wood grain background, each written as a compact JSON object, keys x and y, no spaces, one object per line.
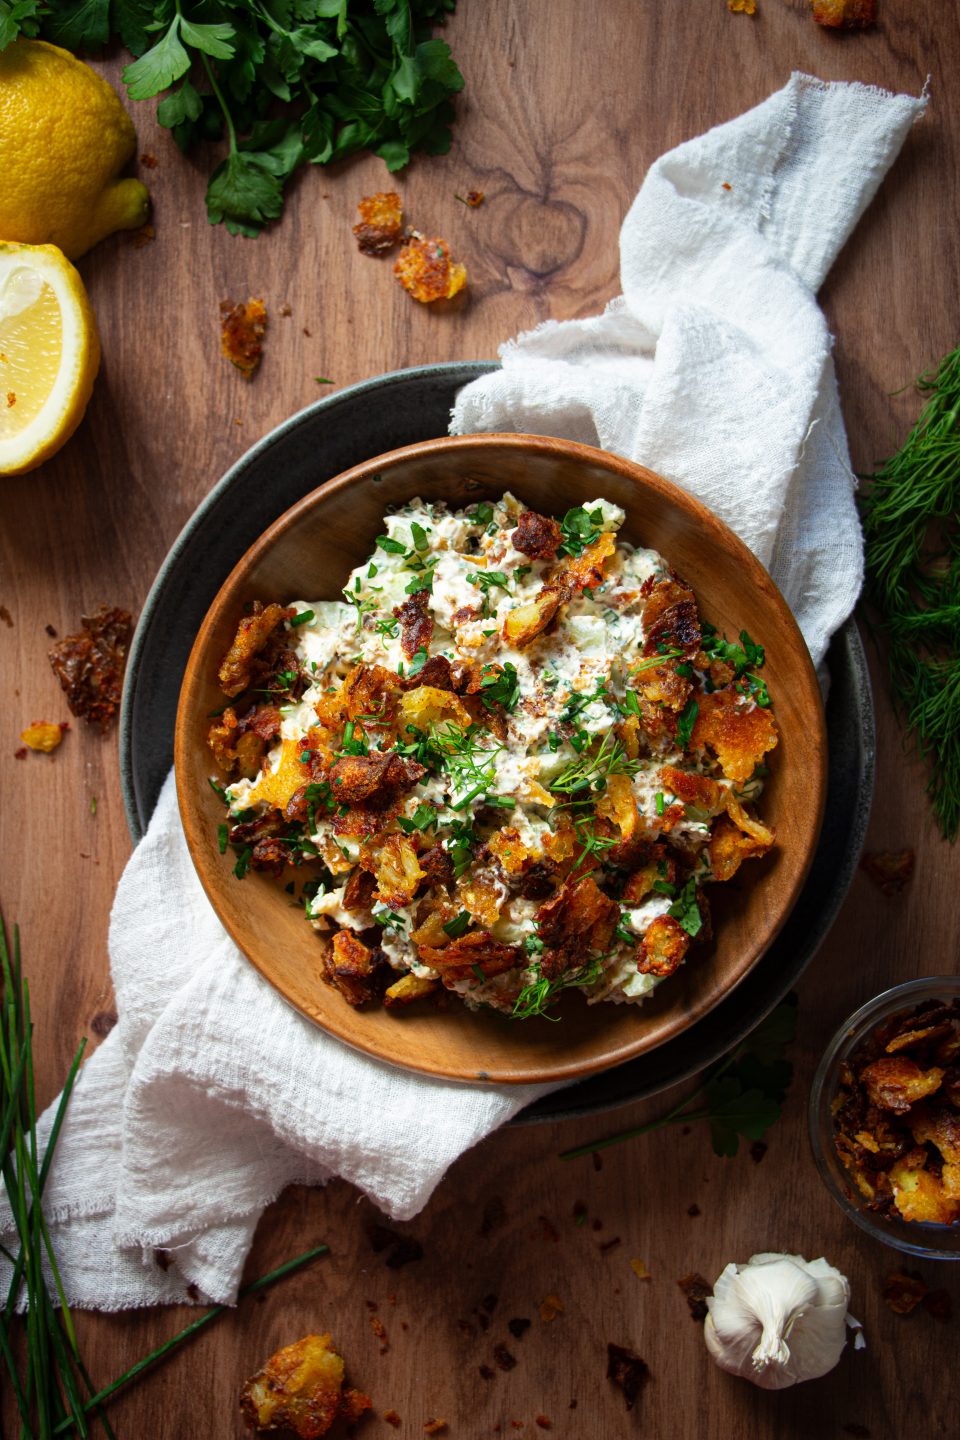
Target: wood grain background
{"x":565,"y":106}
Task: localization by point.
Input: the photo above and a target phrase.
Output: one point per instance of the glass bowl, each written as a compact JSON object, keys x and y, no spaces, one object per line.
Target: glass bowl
{"x":932,"y":1241}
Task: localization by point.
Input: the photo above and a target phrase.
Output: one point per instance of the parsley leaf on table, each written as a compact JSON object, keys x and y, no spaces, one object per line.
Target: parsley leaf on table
{"x":285,"y":82}
{"x":741,"y":1095}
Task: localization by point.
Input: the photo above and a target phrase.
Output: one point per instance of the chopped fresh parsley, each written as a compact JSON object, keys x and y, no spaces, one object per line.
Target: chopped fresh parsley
{"x":459,"y":925}
{"x":418,"y":661}
{"x":222,"y":838}
{"x":499,"y":685}
{"x":391,"y":546}
{"x":580,"y":528}
{"x":686,"y":721}
{"x":686,"y":910}
{"x":745,"y":659}
{"x":423,"y":819}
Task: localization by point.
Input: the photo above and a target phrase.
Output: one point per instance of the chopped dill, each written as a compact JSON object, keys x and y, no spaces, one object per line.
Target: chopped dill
{"x":537,"y":997}
{"x":912,"y":553}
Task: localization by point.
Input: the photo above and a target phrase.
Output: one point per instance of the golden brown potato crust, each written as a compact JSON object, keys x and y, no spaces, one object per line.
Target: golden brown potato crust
{"x":300,"y":1389}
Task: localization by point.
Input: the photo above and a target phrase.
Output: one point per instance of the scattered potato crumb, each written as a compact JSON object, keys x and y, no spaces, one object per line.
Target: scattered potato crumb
{"x":42,"y":735}
{"x":381,"y":223}
{"x":890,"y":870}
{"x":427,"y":271}
{"x":640,"y":1270}
{"x":903,"y":1291}
{"x":142,"y":236}
{"x":150,"y":161}
{"x":242,"y":328}
{"x":742,"y":7}
{"x":845,"y":14}
{"x":11,"y":399}
{"x":436,"y":1427}
{"x":392,"y":1418}
{"x":550,"y":1308}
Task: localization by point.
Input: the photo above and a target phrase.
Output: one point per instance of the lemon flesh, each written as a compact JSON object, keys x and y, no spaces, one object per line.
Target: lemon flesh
{"x":64,"y":138}
{"x":49,"y":354}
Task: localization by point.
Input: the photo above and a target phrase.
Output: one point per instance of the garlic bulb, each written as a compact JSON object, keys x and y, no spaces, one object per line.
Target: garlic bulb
{"x":779,"y":1319}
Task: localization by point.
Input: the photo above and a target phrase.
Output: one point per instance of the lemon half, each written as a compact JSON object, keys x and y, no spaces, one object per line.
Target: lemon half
{"x":49,"y":354}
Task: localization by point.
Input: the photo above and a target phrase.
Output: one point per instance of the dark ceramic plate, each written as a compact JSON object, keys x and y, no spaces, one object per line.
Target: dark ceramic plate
{"x":342,"y":431}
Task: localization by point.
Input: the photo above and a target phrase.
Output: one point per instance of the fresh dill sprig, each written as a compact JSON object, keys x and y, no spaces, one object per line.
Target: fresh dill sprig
{"x":912,"y":553}
{"x":591,"y":772}
{"x":537,"y":997}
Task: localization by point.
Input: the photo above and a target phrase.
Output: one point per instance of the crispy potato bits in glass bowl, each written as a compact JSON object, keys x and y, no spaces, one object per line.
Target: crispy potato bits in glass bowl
{"x":885,"y":1117}
{"x":493,"y":719}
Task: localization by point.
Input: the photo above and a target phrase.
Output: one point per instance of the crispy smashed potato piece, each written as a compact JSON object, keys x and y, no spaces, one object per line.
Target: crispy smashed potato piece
{"x":536,"y":535}
{"x":578,"y":921}
{"x":354,"y":969}
{"x":663,"y":947}
{"x":628,"y":733}
{"x":277,"y":788}
{"x":939,"y":1125}
{"x":242,"y":328}
{"x":526,"y":622}
{"x":662,"y":686}
{"x":692,"y":789}
{"x":641,"y":883}
{"x":729,"y":847}
{"x":427,"y":271}
{"x":920,"y":1196}
{"x":407,"y":989}
{"x":426,"y":706}
{"x":300,"y":1389}
{"x":845,"y":14}
{"x":478,"y":954}
{"x":482,"y":898}
{"x":398,"y":871}
{"x":510,"y":850}
{"x":43,"y":735}
{"x":416,"y":623}
{"x":739,"y":735}
{"x":90,"y":664}
{"x":253,"y":632}
{"x":671,"y":619}
{"x":618,"y":803}
{"x":381,"y":222}
{"x":375,"y":778}
{"x":368,"y":690}
{"x":896,"y":1082}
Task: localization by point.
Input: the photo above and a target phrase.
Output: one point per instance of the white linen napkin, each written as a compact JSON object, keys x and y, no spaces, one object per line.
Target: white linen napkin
{"x":714,"y":366}
{"x":211,"y":1095}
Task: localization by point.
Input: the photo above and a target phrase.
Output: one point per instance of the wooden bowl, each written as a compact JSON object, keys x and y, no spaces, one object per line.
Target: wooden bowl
{"x":308,"y":554}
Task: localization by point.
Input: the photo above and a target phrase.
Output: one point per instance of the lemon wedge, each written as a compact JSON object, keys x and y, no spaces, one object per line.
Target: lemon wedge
{"x":49,"y":354}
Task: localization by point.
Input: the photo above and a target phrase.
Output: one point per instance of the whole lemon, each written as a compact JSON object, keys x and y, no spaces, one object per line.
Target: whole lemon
{"x":64,"y":137}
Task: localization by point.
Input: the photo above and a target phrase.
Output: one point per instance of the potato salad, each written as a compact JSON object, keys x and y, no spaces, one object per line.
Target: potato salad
{"x":509,"y":760}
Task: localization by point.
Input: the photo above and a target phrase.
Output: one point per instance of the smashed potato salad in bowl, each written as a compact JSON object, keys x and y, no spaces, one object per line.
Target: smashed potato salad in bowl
{"x":512,"y":759}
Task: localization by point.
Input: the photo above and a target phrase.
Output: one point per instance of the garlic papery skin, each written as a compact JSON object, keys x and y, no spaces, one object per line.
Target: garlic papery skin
{"x":778,"y":1319}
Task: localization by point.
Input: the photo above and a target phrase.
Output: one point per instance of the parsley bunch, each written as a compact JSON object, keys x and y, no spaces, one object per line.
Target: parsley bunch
{"x":743,"y":1094}
{"x":286,"y":82}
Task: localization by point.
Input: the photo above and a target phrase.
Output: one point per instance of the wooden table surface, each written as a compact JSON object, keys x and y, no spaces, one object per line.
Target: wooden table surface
{"x":565,"y":107}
